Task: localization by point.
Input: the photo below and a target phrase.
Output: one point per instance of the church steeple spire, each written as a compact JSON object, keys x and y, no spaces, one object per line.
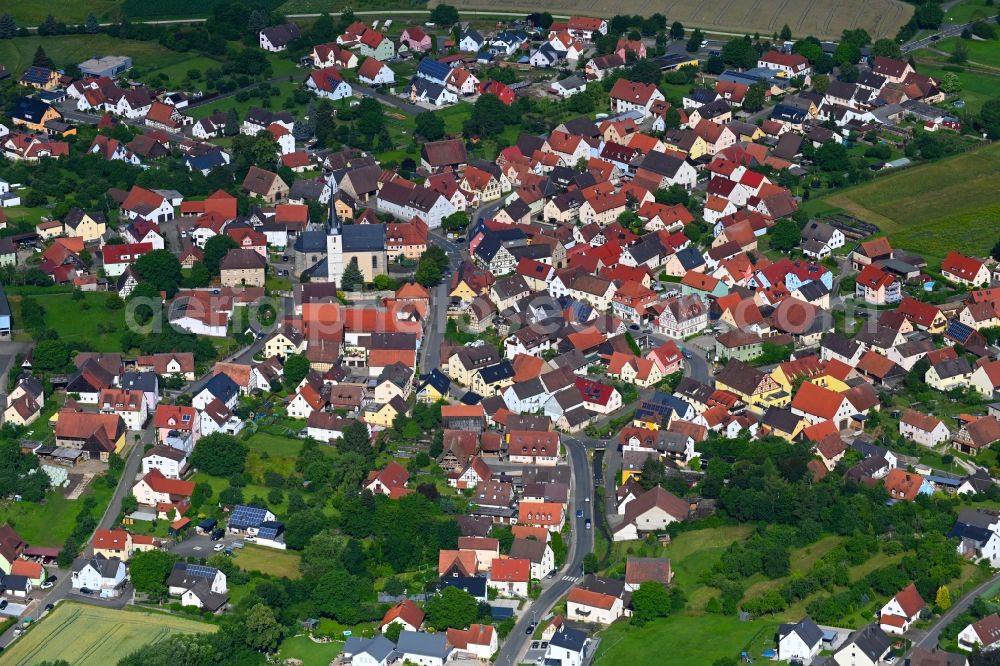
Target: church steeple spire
{"x":332,"y":220}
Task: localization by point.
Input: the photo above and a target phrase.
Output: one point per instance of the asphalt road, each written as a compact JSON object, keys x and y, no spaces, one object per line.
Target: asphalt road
{"x":581,"y":543}
{"x":930,"y":639}
{"x":63,"y":588}
{"x":945,"y":32}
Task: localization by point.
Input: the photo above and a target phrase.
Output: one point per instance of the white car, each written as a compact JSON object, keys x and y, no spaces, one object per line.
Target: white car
{"x":250,"y":539}
{"x":47,"y":585}
{"x":219,"y":546}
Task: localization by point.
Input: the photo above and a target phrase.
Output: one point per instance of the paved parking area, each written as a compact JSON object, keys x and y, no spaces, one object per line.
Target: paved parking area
{"x":13,"y":610}
{"x":536,"y":652}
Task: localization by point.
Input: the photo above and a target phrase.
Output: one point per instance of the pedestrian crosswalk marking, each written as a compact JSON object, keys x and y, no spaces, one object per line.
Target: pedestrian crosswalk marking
{"x":571,"y":579}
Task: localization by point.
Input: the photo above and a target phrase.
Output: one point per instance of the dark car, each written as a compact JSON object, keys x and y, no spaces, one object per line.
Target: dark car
{"x":3,"y":604}
{"x":530,"y":630}
{"x":51,"y":579}
{"x":217,"y":534}
{"x":86,"y":590}
{"x":579,"y":513}
{"x":49,"y":607}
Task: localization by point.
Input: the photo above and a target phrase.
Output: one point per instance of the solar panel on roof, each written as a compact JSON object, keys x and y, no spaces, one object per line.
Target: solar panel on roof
{"x":201,"y":570}
{"x":958,"y":330}
{"x":247,"y":515}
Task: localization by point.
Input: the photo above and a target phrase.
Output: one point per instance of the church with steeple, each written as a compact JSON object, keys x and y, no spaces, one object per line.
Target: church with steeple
{"x":344,"y":243}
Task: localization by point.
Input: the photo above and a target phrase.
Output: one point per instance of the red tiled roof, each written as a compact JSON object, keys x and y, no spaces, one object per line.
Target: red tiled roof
{"x":161,"y":484}
{"x":509,"y":570}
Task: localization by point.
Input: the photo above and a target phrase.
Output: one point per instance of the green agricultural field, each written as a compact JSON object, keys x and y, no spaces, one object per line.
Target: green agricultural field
{"x":821,"y":19}
{"x":94,"y":636}
{"x":16,"y":54}
{"x":682,"y":640}
{"x":309,"y":651}
{"x":960,"y":213}
{"x":86,"y":320}
{"x":281,"y":563}
{"x":71,"y":12}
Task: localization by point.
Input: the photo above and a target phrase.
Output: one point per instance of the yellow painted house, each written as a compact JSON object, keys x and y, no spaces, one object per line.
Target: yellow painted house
{"x":697,"y":148}
{"x":756,"y":134}
{"x":284,"y":343}
{"x":79,"y":224}
{"x":386,"y":414}
{"x":463,"y":292}
{"x":786,"y":425}
{"x":343,"y":210}
{"x":35,"y":119}
{"x":756,"y":388}
{"x":49,"y":229}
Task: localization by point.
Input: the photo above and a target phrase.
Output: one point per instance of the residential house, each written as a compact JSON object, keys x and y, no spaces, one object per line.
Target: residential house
{"x":801,"y":642}
{"x":105,"y":576}
{"x":902,"y":611}
{"x":649,"y":512}
{"x":923,"y":428}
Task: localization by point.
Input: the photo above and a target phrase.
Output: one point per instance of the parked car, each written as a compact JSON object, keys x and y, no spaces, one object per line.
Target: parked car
{"x":217,"y":534}
{"x":49,"y":607}
{"x":530,"y":630}
{"x":251,"y":539}
{"x":51,"y":579}
{"x":86,"y":590}
{"x":47,"y":585}
{"x":3,"y":604}
{"x":579,"y":513}
{"x":587,"y":523}
{"x":219,"y":546}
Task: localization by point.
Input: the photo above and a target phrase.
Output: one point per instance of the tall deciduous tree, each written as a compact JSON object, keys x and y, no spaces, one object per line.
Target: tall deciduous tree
{"x":162,"y":269}
{"x":220,"y":454}
{"x":263,"y":632}
{"x":452,"y":608}
{"x":296,"y":368}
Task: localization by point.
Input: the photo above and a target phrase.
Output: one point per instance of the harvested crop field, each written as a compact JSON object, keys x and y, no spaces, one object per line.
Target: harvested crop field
{"x":95,"y":636}
{"x":826,"y":18}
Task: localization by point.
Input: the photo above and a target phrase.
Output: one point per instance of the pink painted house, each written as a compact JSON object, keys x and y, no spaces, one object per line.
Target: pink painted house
{"x":415,"y":39}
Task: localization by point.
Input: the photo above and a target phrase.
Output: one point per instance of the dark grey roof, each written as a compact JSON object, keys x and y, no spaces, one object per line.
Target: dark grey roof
{"x":15,"y":582}
{"x":222,"y":387}
{"x":690,"y":257}
{"x":423,"y":644}
{"x":363,"y":237}
{"x":573,"y":640}
{"x":378,"y":648}
{"x":310,"y":241}
{"x":528,"y":549}
{"x":840,"y":345}
{"x":4,"y":305}
{"x":953,"y":368}
{"x":499,"y":372}
{"x":140,"y":381}
{"x":661,"y":163}
{"x":474,"y":585}
{"x":807,"y":630}
{"x":438,"y":380}
{"x":871,"y":640}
